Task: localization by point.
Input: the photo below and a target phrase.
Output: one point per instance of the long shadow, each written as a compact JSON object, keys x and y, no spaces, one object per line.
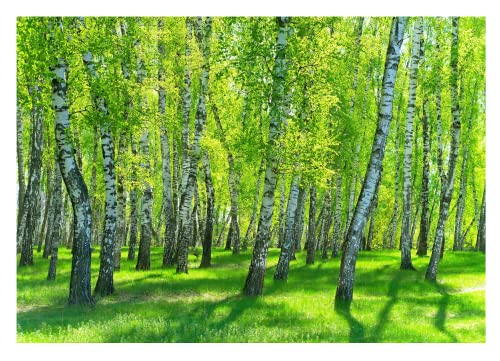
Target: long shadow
{"x":394,"y":287}
{"x":357,"y":331}
{"x":440,"y":318}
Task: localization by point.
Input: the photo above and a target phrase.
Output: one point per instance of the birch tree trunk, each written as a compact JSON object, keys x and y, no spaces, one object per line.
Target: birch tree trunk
{"x":255,"y":279}
{"x":281,"y":220}
{"x":133,"y":209}
{"x":481,"y":232}
{"x":200,"y":120}
{"x":311,"y":229}
{"x":55,"y":226}
{"x":447,"y":188}
{"x":251,"y":224}
{"x":20,"y":175}
{"x":337,"y":232}
{"x":327,"y":221}
{"x":209,"y":225}
{"x":93,"y":187}
{"x":48,"y":213}
{"x":373,"y":212}
{"x":32,"y":201}
{"x":424,"y":191}
{"x":394,"y":221}
{"x":458,"y":240}
{"x":286,"y":248}
{"x":168,"y":205}
{"x":144,"y":256}
{"x":347,"y":268}
{"x":79,"y":289}
{"x":104,"y":285}
{"x":410,"y":114}
{"x":298,"y":225}
{"x":121,"y":207}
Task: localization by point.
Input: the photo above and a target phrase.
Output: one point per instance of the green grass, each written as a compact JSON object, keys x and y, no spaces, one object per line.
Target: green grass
{"x":206,"y":305}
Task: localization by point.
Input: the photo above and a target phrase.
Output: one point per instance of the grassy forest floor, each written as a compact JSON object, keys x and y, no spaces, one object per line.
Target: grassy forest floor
{"x":206,"y":305}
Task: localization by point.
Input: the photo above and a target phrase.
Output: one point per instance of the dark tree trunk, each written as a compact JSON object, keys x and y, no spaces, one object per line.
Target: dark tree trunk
{"x":298,"y":225}
{"x":311,"y":231}
{"x":424,"y":217}
{"x":481,"y":232}
{"x":32,"y":196}
{"x":20,"y":176}
{"x":133,"y":211}
{"x":54,"y":232}
{"x":327,"y":221}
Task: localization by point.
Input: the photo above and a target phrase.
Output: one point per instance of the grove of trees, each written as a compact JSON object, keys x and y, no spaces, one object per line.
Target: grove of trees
{"x":323,"y":135}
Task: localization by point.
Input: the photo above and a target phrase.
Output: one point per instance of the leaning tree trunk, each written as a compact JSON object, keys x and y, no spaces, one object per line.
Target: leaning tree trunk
{"x":32,"y":197}
{"x":132,"y":242}
{"x":251,"y":224}
{"x":79,"y":289}
{"x":54,"y":230}
{"x":200,"y":121}
{"x":311,"y":229}
{"x":406,"y":239}
{"x":347,"y":268}
{"x":373,"y":212}
{"x":207,"y":241}
{"x":447,"y":188}
{"x":286,"y":248}
{"x":144,"y":256}
{"x":481,"y":232}
{"x":255,"y":279}
{"x":47,"y":208}
{"x":424,"y":193}
{"x":49,"y":216}
{"x":458,"y":241}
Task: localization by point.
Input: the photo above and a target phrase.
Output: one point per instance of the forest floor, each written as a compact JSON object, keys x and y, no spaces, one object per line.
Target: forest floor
{"x":206,"y":305}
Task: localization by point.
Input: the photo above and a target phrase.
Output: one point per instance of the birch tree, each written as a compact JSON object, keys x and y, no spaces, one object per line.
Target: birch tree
{"x":347,"y":268}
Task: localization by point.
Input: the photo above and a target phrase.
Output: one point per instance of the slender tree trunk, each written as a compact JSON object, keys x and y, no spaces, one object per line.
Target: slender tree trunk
{"x":327,"y":220}
{"x":281,"y":220}
{"x":47,"y":208}
{"x":298,"y":225}
{"x":104,"y":284}
{"x":286,"y":248}
{"x":221,"y":234}
{"x":79,"y":290}
{"x":394,"y":221}
{"x":55,"y":227}
{"x":133,"y":210}
{"x":32,"y":201}
{"x":251,"y":224}
{"x":447,"y":188}
{"x":200,"y":120}
{"x":373,"y":213}
{"x":49,"y":215}
{"x":20,"y":176}
{"x":144,"y":256}
{"x":255,"y":279}
{"x":121,"y":206}
{"x":207,"y":241}
{"x":347,"y":268}
{"x":311,"y":229}
{"x":458,"y":244}
{"x":410,"y":114}
{"x":93,"y":187}
{"x":337,"y":232}
{"x":481,"y":232}
{"x":424,"y":217}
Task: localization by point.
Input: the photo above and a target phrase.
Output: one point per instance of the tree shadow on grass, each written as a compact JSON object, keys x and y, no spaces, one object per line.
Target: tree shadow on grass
{"x":440,"y":318}
{"x":357,"y":330}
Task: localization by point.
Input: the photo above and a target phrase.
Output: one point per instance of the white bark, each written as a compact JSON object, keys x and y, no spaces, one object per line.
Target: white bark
{"x":408,"y":148}
{"x":349,"y":256}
